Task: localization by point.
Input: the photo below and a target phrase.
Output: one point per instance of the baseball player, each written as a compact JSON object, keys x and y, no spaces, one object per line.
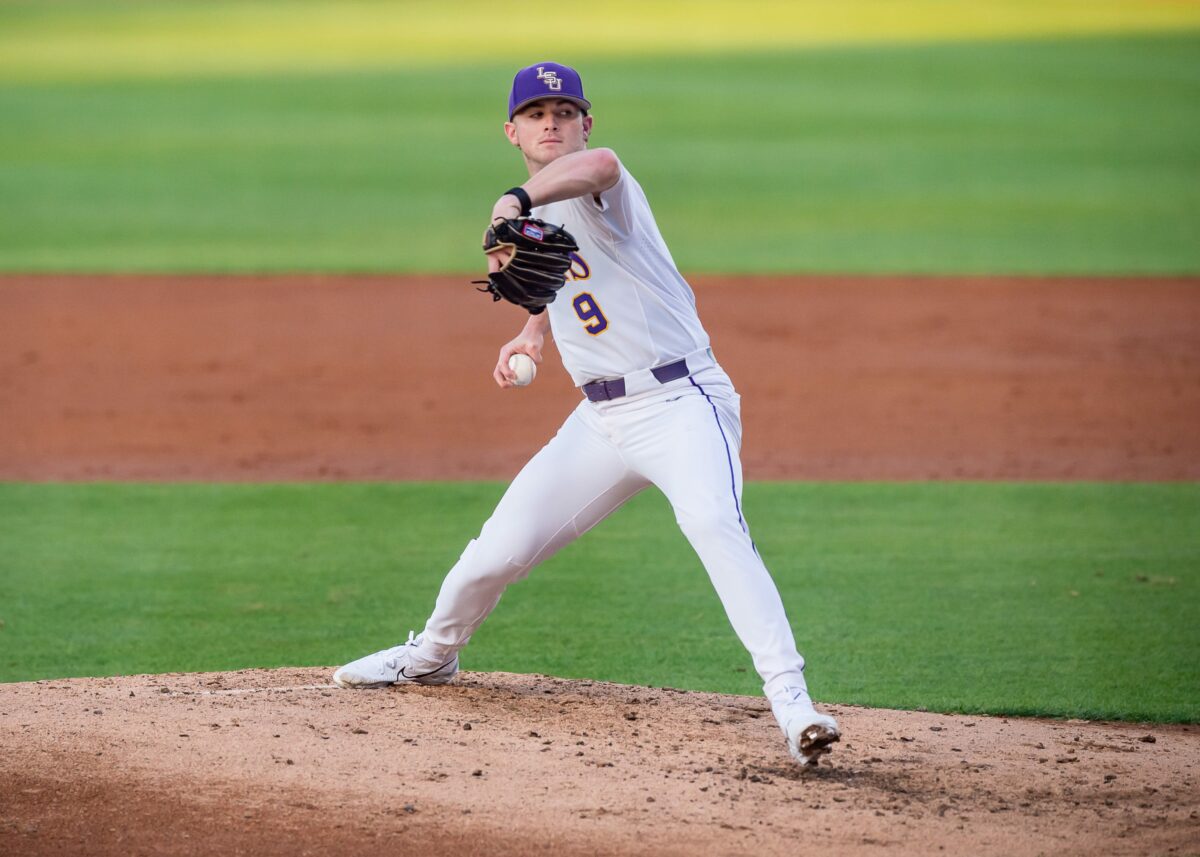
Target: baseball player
{"x":657,"y":409}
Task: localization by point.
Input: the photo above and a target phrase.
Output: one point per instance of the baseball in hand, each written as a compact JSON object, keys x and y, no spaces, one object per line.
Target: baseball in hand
{"x":525,"y":368}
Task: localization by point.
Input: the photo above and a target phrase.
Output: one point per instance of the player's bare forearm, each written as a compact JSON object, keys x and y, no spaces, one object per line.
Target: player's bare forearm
{"x":591,"y":171}
{"x":529,"y":341}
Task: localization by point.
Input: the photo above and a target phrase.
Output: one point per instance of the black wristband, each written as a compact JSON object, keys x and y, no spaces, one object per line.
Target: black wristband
{"x":522,"y":197}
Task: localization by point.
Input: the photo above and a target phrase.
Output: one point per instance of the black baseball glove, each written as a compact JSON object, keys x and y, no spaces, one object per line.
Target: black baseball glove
{"x":537,"y":269}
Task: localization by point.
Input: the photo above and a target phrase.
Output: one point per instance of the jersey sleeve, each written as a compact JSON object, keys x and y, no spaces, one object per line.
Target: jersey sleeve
{"x":615,"y":206}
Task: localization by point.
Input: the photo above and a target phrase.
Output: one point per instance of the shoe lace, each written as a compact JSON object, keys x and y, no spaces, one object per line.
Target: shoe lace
{"x":395,"y":651}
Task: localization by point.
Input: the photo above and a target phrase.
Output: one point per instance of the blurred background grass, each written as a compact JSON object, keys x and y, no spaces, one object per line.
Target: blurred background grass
{"x":81,"y":39}
{"x":985,"y":137}
{"x":1068,"y":600}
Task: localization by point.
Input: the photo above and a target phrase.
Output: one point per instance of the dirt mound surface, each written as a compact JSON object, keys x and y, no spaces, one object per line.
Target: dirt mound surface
{"x":281,"y":762}
{"x":355,"y":377}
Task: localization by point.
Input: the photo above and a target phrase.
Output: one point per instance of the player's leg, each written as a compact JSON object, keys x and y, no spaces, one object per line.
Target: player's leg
{"x":689,"y":448}
{"x":573,"y":483}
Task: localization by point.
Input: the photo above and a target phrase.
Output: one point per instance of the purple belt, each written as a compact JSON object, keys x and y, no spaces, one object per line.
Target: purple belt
{"x":602,"y":391}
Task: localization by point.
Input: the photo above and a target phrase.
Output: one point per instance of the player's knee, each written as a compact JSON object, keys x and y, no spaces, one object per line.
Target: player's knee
{"x":500,"y":557}
{"x":708,"y":519}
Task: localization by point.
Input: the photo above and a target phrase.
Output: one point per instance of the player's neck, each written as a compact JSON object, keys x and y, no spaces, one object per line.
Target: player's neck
{"x":536,"y":167}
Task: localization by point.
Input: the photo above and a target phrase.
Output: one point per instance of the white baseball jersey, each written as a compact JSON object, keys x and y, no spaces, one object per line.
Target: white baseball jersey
{"x":625,"y":306}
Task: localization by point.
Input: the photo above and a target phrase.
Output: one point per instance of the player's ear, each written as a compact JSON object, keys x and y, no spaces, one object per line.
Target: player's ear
{"x":587,"y":127}
{"x":510,"y":131}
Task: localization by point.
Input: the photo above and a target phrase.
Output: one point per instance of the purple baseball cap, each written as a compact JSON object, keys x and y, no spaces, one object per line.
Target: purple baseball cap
{"x":546,"y":80}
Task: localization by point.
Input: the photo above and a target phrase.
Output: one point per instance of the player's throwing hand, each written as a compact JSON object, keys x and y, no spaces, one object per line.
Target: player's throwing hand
{"x":528,"y":341}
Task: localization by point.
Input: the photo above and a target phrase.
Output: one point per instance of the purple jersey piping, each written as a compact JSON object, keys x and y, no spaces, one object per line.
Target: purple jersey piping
{"x":728,"y":458}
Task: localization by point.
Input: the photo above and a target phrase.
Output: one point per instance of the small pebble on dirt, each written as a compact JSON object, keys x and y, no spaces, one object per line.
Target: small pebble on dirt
{"x":1148,"y":739}
{"x":358,"y":730}
{"x":477,"y":773}
{"x":466,"y":727}
{"x":409,"y":808}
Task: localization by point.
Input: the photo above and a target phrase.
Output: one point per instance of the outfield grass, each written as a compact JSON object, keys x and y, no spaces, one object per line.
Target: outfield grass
{"x":85,"y":40}
{"x":1078,"y":155}
{"x":1069,"y":600}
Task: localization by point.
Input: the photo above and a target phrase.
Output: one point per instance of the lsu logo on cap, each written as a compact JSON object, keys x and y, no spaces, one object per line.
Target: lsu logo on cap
{"x":534,"y":232}
{"x":550,"y":78}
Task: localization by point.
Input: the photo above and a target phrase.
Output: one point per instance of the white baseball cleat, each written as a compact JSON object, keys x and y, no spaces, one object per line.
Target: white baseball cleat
{"x":809,"y":733}
{"x":397,"y":665}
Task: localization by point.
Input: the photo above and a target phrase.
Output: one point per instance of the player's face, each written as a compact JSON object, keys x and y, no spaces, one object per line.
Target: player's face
{"x":548,"y":129}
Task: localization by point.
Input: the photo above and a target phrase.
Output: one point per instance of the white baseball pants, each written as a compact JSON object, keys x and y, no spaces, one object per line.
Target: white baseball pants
{"x":685,"y":438}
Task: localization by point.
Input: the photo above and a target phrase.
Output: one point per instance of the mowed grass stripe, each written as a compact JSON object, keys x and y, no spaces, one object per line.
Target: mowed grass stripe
{"x":1072,"y":157}
{"x":1066,"y":600}
{"x":77,"y":39}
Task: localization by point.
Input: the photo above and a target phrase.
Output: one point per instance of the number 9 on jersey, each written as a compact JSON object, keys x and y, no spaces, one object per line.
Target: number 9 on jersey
{"x":590,"y":314}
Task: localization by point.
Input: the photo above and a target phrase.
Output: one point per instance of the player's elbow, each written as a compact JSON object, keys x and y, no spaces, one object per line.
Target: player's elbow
{"x":606,"y":168}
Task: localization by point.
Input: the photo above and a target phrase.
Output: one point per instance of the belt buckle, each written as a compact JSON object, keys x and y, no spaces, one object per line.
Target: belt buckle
{"x":605,"y":390}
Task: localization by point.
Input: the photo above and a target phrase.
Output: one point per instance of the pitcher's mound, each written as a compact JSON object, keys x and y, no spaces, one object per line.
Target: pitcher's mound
{"x":281,"y":762}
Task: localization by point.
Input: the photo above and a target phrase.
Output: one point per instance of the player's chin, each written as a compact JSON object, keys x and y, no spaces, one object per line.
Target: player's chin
{"x":552,"y":151}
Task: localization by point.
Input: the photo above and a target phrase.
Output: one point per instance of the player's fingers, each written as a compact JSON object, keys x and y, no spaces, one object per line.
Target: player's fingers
{"x":503,"y":370}
{"x":498,"y":258}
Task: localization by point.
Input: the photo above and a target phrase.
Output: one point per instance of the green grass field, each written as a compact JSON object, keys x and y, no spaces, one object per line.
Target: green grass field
{"x":1067,"y":600}
{"x":1052,"y":155}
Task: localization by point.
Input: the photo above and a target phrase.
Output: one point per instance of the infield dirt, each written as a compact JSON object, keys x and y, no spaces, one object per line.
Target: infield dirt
{"x":245,"y":378}
{"x":305,"y":377}
{"x":280,"y":762}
